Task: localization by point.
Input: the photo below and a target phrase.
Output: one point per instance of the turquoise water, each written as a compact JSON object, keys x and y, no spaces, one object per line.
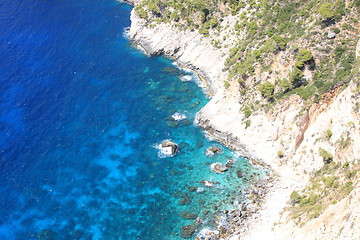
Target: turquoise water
{"x":81,"y":114}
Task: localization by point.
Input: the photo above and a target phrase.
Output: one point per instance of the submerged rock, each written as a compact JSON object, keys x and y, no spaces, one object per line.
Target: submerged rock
{"x":229,"y":163}
{"x":207,"y":183}
{"x":178,"y":117}
{"x":239,"y":174}
{"x":172,"y":123}
{"x":46,"y":234}
{"x":192,"y":189}
{"x":218,"y":167}
{"x":187,"y":231}
{"x":184,"y":201}
{"x":211,"y":151}
{"x":187,"y":215}
{"x":168,"y":147}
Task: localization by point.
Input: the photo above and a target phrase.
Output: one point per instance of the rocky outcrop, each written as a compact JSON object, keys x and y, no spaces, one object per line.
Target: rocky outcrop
{"x":218,"y":167}
{"x":168,"y":147}
{"x":211,"y":151}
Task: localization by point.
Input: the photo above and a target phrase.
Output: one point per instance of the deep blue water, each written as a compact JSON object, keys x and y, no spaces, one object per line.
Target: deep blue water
{"x":80,"y":113}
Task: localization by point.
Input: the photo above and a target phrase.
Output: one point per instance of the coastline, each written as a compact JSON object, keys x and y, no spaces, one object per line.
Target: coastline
{"x":292,"y":127}
{"x":265,"y":191}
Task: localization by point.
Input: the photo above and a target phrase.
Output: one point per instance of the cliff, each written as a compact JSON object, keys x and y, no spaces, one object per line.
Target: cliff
{"x":291,"y":135}
{"x":188,"y":48}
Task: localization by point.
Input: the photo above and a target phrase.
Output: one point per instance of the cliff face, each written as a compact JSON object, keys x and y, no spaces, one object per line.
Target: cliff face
{"x":188,"y":48}
{"x":288,"y":137}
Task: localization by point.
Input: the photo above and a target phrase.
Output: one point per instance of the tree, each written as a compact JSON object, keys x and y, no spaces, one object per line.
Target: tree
{"x":304,"y":56}
{"x":285,"y":85}
{"x":296,"y":77}
{"x":326,"y":155}
{"x":174,"y":16}
{"x":327,"y":11}
{"x":280,"y":42}
{"x":267,"y":90}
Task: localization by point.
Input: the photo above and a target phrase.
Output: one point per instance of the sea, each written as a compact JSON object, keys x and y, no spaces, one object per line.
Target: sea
{"x":82,"y":114}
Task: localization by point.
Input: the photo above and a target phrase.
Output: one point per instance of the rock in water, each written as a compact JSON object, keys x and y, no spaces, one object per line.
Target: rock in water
{"x":188,"y":215}
{"x":207,"y":183}
{"x":211,"y":151}
{"x":239,"y":174}
{"x":168,"y":147}
{"x":218,"y":167}
{"x":187,"y":231}
{"x":178,"y":117}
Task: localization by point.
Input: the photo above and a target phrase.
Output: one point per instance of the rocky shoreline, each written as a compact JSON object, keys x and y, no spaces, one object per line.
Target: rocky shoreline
{"x":292,"y":128}
{"x":236,"y":219}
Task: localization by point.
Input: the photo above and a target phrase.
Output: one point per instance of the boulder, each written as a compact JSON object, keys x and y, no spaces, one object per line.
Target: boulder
{"x":331,"y":34}
{"x":168,"y":147}
{"x":239,"y":174}
{"x":211,"y":151}
{"x":218,"y":167}
{"x":207,"y":183}
{"x":229,"y":163}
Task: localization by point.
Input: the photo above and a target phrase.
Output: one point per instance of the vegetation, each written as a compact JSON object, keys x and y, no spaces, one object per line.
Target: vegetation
{"x":267,"y":90}
{"x":265,"y":29}
{"x":326,"y":155}
{"x":247,"y":112}
{"x":328,"y":134}
{"x":327,"y":186}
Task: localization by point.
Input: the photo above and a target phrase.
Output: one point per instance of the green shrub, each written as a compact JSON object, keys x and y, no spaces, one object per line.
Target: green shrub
{"x":339,"y":50}
{"x":327,"y":156}
{"x":304,"y":56}
{"x":350,"y":174}
{"x":267,"y":90}
{"x":256,"y":54}
{"x":305,"y":92}
{"x":280,"y":42}
{"x":336,"y":30}
{"x":247,"y":112}
{"x":280,"y":154}
{"x":328,"y":134}
{"x":285,"y":85}
{"x":299,"y":64}
{"x":247,"y":123}
{"x":348,"y":187}
{"x":174,"y":16}
{"x":295,"y":77}
{"x":326,"y":10}
{"x":330,"y":182}
{"x":141,"y":12}
{"x":295,"y":197}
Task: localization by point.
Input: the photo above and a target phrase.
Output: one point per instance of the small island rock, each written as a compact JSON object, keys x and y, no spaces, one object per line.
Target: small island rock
{"x":218,"y":167}
{"x":211,"y":151}
{"x":168,"y":147}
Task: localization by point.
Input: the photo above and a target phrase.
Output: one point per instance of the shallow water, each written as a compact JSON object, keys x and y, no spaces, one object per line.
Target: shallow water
{"x":81,"y":114}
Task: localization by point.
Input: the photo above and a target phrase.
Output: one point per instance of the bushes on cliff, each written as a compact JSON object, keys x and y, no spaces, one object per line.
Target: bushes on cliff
{"x":267,"y":90}
{"x":247,"y":112}
{"x":141,"y":12}
{"x":304,"y":56}
{"x":296,"y":77}
{"x":332,"y":11}
{"x":295,"y":197}
{"x":326,"y":155}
